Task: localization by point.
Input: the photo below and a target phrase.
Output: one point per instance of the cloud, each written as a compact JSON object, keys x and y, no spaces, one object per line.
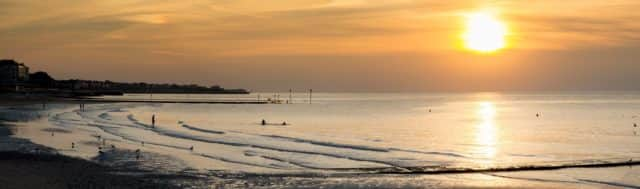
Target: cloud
{"x":237,"y":35}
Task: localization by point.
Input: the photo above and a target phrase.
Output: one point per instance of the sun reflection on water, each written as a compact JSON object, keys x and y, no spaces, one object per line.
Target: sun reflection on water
{"x":486,"y":129}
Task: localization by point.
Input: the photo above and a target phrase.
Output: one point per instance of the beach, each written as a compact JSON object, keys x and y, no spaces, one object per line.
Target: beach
{"x":25,"y":164}
{"x":336,"y":142}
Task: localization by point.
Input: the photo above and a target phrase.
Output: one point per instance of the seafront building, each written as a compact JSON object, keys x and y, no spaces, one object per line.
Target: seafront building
{"x":13,"y":75}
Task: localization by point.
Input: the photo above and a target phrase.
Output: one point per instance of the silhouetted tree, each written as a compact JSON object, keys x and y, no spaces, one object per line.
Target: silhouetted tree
{"x":41,"y":79}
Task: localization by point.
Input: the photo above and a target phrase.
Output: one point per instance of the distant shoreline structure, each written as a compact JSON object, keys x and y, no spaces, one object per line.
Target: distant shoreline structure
{"x":15,"y":78}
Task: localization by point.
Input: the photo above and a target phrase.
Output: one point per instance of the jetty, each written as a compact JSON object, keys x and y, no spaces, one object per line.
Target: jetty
{"x":184,"y":101}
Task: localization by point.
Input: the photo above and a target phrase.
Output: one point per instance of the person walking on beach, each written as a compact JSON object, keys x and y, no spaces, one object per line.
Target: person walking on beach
{"x":137,"y":154}
{"x":264,"y":122}
{"x":153,"y":121}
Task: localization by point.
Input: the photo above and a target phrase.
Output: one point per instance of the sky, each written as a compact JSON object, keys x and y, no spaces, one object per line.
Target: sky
{"x":328,"y":45}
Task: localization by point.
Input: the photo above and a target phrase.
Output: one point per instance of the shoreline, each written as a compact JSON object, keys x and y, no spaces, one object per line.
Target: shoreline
{"x":22,"y":166}
{"x":25,"y":164}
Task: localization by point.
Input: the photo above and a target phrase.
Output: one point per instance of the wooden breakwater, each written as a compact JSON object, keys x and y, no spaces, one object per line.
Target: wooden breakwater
{"x":184,"y":101}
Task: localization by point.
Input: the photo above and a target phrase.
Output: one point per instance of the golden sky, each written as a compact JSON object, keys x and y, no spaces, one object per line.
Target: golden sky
{"x":329,"y":45}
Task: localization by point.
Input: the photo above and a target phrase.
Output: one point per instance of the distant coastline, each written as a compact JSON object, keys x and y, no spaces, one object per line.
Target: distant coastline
{"x":16,"y":78}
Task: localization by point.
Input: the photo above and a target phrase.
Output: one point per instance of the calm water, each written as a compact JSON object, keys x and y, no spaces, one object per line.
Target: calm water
{"x":344,"y":131}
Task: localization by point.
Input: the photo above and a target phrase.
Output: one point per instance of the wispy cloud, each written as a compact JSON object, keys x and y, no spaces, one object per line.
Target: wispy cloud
{"x":219,"y":31}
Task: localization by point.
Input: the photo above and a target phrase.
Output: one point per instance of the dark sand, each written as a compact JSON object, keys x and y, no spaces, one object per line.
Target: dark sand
{"x":24,"y":170}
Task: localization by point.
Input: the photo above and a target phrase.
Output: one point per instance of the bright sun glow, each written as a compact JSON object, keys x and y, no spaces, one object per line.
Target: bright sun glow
{"x":486,"y":131}
{"x":484,"y":33}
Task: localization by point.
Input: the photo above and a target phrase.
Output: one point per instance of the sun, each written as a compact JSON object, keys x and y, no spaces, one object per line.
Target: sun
{"x":484,"y":32}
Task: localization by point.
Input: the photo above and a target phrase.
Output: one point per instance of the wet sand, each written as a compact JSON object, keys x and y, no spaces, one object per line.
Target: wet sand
{"x":25,"y":170}
{"x":28,"y":165}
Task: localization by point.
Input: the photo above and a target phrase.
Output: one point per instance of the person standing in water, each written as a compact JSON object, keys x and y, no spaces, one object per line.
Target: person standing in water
{"x":153,"y":121}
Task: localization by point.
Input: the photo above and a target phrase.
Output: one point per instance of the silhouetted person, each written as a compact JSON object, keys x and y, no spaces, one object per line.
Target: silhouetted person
{"x":635,"y":125}
{"x":153,"y":120}
{"x":264,"y":122}
{"x":52,"y":134}
{"x":73,"y":145}
{"x":284,"y":123}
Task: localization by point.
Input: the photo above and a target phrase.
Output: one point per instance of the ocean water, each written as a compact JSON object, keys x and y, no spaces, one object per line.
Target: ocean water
{"x":353,"y":132}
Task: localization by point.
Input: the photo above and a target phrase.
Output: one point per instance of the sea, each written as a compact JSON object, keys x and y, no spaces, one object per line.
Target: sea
{"x":354,"y":133}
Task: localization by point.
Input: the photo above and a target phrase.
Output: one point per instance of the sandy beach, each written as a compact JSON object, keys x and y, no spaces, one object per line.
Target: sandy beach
{"x":28,"y":165}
